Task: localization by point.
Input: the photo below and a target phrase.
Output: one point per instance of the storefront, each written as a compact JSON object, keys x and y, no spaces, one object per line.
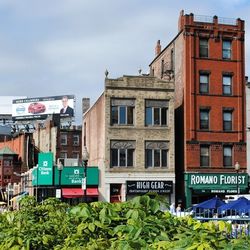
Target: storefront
{"x":67,"y":185}
{"x":141,"y":187}
{"x":203,"y":186}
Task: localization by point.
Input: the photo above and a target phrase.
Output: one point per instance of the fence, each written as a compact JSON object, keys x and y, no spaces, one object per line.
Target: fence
{"x":239,"y":220}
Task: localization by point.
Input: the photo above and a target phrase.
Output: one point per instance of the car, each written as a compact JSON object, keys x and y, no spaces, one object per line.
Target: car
{"x":36,"y":108}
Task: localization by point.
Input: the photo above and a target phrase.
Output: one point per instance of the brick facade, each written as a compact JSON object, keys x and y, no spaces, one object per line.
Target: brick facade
{"x":186,"y":64}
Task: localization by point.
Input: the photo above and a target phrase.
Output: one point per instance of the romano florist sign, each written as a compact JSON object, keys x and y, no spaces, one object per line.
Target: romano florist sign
{"x":201,"y":180}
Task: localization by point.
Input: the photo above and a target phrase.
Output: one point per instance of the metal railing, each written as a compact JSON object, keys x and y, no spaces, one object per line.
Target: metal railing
{"x":238,"y":221}
{"x":210,"y":19}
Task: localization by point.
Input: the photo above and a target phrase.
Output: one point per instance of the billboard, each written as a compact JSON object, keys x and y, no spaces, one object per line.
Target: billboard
{"x":41,"y":107}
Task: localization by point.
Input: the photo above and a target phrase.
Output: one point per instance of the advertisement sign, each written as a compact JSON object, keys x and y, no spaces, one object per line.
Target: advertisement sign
{"x":41,"y":107}
{"x":143,"y":187}
{"x":73,"y":176}
{"x":217,"y":181}
{"x":43,"y":174}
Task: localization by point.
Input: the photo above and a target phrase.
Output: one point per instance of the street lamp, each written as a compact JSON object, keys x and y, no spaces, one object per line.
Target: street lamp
{"x":60,"y":168}
{"x":237,"y":168}
{"x":85,"y":158}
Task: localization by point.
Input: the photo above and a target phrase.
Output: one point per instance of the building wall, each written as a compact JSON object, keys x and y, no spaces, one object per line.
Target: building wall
{"x":191,"y":29}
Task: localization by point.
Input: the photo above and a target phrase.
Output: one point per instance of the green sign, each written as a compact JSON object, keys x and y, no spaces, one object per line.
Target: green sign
{"x":43,"y":175}
{"x":72,"y":176}
{"x":221,"y":181}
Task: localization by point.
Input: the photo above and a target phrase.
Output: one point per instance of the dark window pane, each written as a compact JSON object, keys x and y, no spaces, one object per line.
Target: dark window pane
{"x":156,"y":116}
{"x":122,"y":118}
{"x":130,"y":115}
{"x":157,"y":158}
{"x":114,"y":115}
{"x":164,"y":158}
{"x":227,"y":156}
{"x":122,"y":157}
{"x":204,"y":119}
{"x":227,"y":121}
{"x":164,"y":116}
{"x":204,"y":83}
{"x":203,"y":48}
{"x":149,"y":116}
{"x":130,"y":157}
{"x":226,"y":49}
{"x":114,"y":157}
{"x":148,"y":158}
{"x":204,"y":156}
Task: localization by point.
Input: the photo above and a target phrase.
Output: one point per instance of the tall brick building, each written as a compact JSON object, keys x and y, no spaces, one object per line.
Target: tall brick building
{"x":207,"y":60}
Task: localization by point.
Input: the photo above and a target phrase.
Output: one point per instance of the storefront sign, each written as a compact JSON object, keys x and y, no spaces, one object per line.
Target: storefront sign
{"x":43,"y":174}
{"x":73,"y":176}
{"x":143,"y":187}
{"x":221,"y":181}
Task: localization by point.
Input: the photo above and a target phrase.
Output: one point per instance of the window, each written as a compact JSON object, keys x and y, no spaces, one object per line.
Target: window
{"x":63,"y":155}
{"x":75,"y":155}
{"x":122,"y":153}
{"x":64,"y":139}
{"x":122,"y":111}
{"x":227,"y":120}
{"x":226,"y":49}
{"x":204,"y":156}
{"x":227,"y":85}
{"x":204,"y":119}
{"x":156,"y":154}
{"x":227,"y":156}
{"x":172,"y":59}
{"x":203,"y":48}
{"x":76,"y":140}
{"x":204,"y":83}
{"x":156,"y":113}
{"x":6,"y":163}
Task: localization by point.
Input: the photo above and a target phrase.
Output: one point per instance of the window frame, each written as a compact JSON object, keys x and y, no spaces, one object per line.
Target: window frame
{"x":202,"y":47}
{"x":200,"y":83}
{"x":66,"y":139}
{"x":224,"y":160}
{"x":224,"y":121}
{"x":202,"y":156}
{"x":117,"y":107}
{"x":226,"y":85}
{"x":77,"y":142}
{"x":226,"y":50}
{"x":156,"y":105}
{"x":208,"y":120}
{"x":65,"y":154}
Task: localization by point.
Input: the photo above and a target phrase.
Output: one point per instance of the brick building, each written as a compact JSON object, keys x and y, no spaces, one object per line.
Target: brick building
{"x":207,"y":60}
{"x":129,"y":133}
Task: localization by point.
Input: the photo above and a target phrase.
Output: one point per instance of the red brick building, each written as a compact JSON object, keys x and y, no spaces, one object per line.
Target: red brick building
{"x":207,"y":60}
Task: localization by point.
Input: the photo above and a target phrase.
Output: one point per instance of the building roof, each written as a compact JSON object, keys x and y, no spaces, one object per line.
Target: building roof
{"x":7,"y":151}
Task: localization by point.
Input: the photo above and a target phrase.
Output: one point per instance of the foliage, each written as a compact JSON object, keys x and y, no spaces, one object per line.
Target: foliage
{"x":136,"y":224}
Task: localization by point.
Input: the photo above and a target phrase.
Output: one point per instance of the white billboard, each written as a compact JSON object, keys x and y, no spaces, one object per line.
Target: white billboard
{"x":6,"y":104}
{"x":41,"y":107}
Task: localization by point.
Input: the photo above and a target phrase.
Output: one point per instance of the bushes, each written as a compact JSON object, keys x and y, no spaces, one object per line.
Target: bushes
{"x":136,"y":224}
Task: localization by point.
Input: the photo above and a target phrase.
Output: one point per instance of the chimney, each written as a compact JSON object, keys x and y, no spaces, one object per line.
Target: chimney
{"x":158,"y":48}
{"x":85,"y":105}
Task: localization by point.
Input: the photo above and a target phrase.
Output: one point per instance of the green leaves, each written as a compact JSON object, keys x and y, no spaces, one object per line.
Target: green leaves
{"x":136,"y":224}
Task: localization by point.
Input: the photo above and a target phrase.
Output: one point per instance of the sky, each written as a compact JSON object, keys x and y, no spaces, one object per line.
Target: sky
{"x":58,"y":47}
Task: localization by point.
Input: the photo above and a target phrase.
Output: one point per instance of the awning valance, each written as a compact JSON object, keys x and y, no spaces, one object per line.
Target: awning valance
{"x":78,"y":192}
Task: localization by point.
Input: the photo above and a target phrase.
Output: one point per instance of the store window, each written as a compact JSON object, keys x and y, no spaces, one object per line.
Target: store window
{"x":227,"y":156}
{"x":115,"y":193}
{"x":156,"y":154}
{"x":226,"y":49}
{"x":204,"y":119}
{"x":122,"y":153}
{"x":64,"y":139}
{"x":122,"y":111}
{"x":203,"y":47}
{"x":204,"y":156}
{"x":156,"y":113}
